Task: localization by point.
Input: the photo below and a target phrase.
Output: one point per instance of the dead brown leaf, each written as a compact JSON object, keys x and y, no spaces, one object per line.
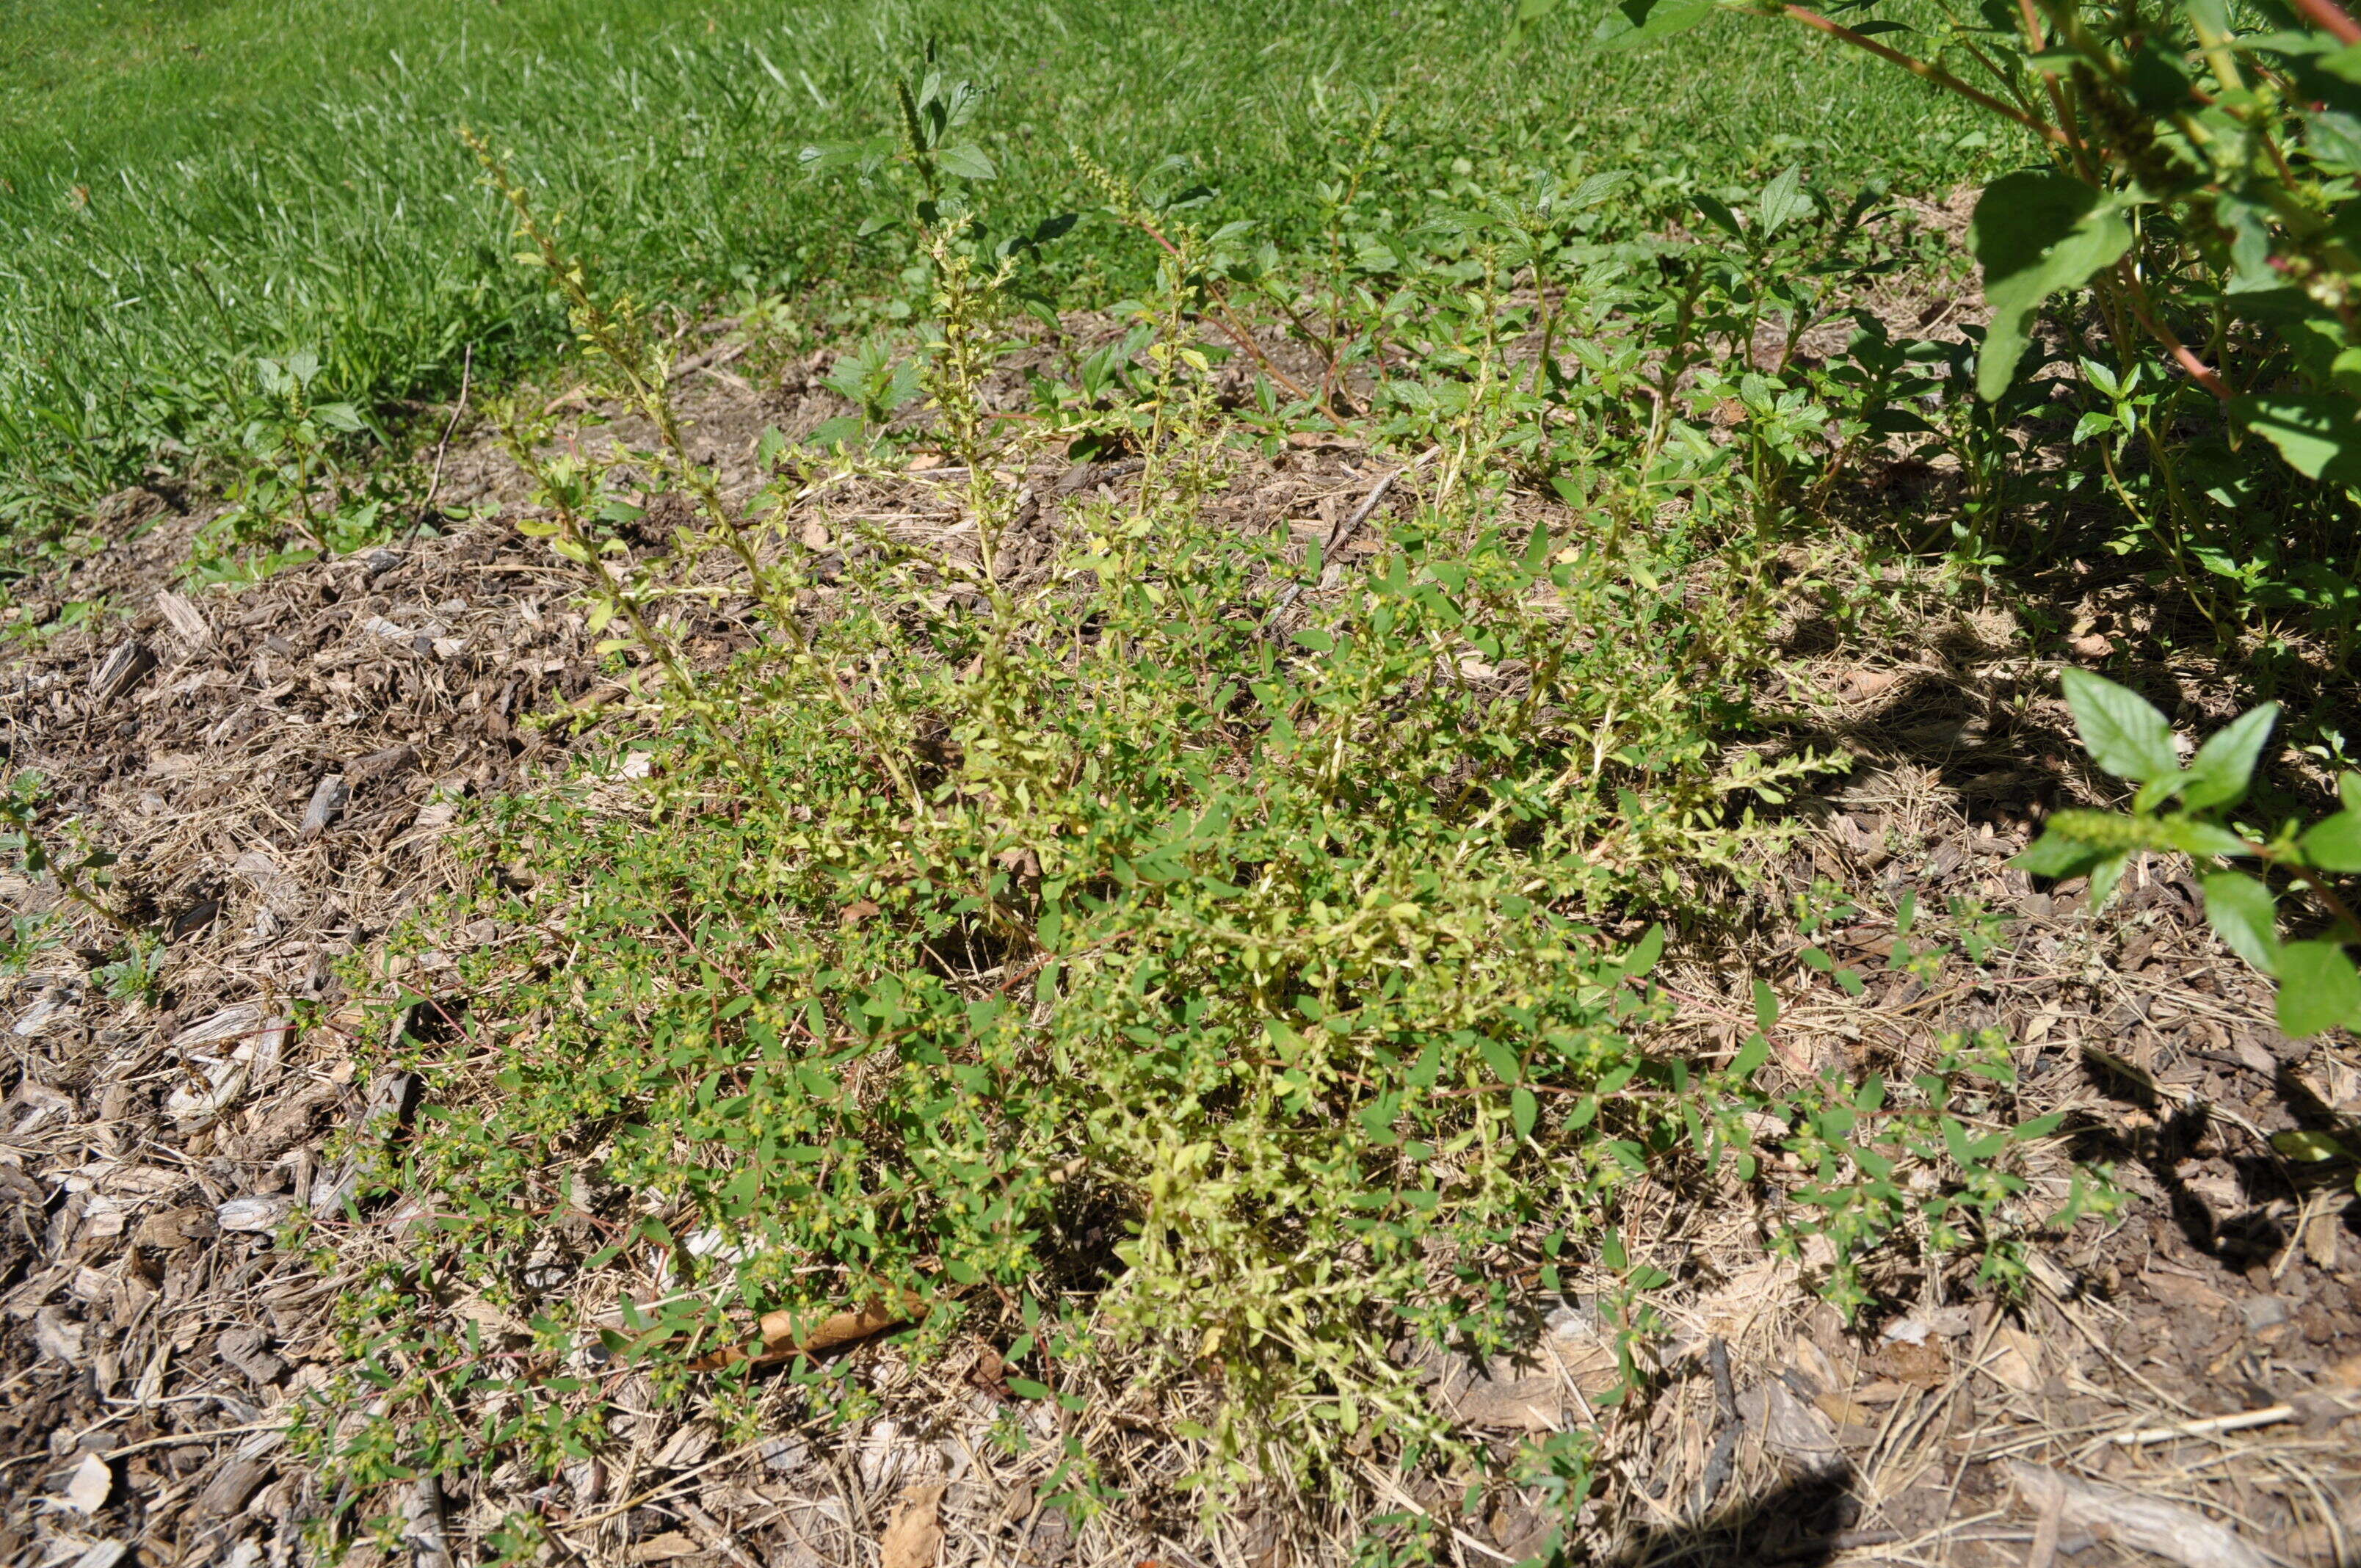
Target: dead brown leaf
{"x":915,"y":1537}
{"x":2179,"y":1290}
{"x":782,"y":1337}
{"x":2143,"y":1523}
{"x":1925,"y":1364}
{"x":989,"y":1373}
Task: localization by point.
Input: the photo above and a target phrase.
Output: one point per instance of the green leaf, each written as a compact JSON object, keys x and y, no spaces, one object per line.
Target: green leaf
{"x":829,"y":434}
{"x":2318,"y":988}
{"x":2191,"y":837}
{"x":1783,"y":201}
{"x":1719,"y":214}
{"x":1651,"y":20}
{"x":2320,"y":436}
{"x":966,"y":161}
{"x":2056,"y":856}
{"x":2220,"y":772}
{"x":2035,"y":233}
{"x":1766,"y":1006}
{"x":2121,"y":730}
{"x":1524,"y":1110}
{"x":2334,"y":844}
{"x":1503,"y":1061}
{"x":1644,"y":953}
{"x":2297,"y":1143}
{"x":2244,"y":916}
{"x":2105,"y":875}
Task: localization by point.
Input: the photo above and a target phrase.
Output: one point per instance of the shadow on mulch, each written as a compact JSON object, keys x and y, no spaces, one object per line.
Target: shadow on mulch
{"x":1799,"y":1525}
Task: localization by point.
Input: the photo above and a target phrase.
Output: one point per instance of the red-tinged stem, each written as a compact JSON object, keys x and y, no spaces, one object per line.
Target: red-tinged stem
{"x":2328,"y":13}
{"x":1936,"y":75}
{"x":2199,"y":371}
{"x":1238,"y":334}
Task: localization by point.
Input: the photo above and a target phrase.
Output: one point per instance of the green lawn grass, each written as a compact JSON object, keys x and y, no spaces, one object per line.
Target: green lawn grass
{"x":185,"y":185}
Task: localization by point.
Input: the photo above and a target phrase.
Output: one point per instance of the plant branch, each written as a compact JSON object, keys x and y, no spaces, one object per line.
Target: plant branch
{"x":2334,"y":17}
{"x":1925,"y":72}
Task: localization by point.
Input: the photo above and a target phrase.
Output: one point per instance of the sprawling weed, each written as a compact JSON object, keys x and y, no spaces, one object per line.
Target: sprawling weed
{"x":1160,"y":945}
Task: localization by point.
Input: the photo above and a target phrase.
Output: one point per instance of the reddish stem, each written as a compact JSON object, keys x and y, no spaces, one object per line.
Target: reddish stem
{"x":1238,"y":334}
{"x":1935,"y":73}
{"x":2329,"y":15}
{"x":2199,"y":371}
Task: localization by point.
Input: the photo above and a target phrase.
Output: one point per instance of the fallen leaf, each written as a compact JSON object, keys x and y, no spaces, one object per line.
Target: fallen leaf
{"x":1785,"y":1423}
{"x":92,"y":1480}
{"x":1949,"y":1323}
{"x":915,"y":1537}
{"x":2320,"y":1240}
{"x":175,"y":1228}
{"x":254,"y":1214}
{"x":989,"y":1373}
{"x":2014,"y":1358}
{"x":2144,"y":1524}
{"x":782,"y":1338}
{"x":664,"y":1548}
{"x":58,"y":1336}
{"x":2179,"y":1290}
{"x":1860,"y":684}
{"x":1924,"y":1364}
{"x":1846,"y":1412}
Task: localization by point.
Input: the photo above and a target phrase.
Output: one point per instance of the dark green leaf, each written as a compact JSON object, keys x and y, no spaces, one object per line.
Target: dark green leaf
{"x":2121,"y":730}
{"x":1644,"y":953}
{"x":2245,"y":916}
{"x":2056,"y":856}
{"x":2318,"y":988}
{"x":2334,"y":844}
{"x":2220,"y":772}
{"x":1783,"y":201}
{"x":1651,"y":20}
{"x":2035,"y":233}
{"x":2105,"y":875}
{"x":2320,"y":436}
{"x":2191,"y":837}
{"x":967,"y":162}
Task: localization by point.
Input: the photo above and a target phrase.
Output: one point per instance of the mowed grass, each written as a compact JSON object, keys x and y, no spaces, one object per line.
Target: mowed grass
{"x":187,"y":184}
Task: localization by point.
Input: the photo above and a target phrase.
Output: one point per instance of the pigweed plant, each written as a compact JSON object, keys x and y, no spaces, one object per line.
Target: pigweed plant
{"x":1178,"y":952}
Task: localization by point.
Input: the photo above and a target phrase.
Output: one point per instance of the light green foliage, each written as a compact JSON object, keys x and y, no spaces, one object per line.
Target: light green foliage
{"x":288,"y":489}
{"x":2194,"y":811}
{"x":26,"y":940}
{"x":61,"y":851}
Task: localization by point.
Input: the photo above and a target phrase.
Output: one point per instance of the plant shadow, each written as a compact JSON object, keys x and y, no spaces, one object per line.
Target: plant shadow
{"x":1801,"y":1523}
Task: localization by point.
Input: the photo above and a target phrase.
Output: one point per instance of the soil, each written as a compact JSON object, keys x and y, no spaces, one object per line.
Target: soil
{"x":149,"y":1145}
